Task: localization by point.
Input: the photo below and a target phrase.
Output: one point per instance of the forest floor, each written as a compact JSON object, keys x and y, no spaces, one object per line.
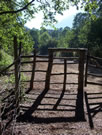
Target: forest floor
{"x":53,"y":112}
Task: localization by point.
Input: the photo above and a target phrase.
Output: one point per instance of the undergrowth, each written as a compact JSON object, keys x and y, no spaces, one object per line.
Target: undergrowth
{"x":5,"y":60}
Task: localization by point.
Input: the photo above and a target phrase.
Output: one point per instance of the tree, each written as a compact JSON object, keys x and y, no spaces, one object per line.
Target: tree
{"x":15,"y":13}
{"x":43,"y":41}
{"x":49,"y":8}
{"x":46,"y":42}
{"x":35,"y":37}
{"x":10,"y":25}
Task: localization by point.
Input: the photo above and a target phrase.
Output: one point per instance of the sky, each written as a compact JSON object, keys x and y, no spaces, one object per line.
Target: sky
{"x":63,"y":20}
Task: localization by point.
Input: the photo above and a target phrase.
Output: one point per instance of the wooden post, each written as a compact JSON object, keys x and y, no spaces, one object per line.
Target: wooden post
{"x":33,"y":72}
{"x":16,"y":66}
{"x":86,"y":69}
{"x":65,"y":74}
{"x":16,"y":74}
{"x":48,"y":74}
{"x":19,"y":65}
{"x":79,"y":103}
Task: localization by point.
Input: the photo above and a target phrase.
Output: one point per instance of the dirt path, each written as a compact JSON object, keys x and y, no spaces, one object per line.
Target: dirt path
{"x":54,"y":114}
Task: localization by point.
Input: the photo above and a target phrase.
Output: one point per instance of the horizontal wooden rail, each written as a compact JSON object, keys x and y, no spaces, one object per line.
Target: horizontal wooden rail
{"x":94,"y":75}
{"x":25,"y":71}
{"x":93,"y":83}
{"x":42,"y":56}
{"x":41,"y":61}
{"x":40,"y":71}
{"x":72,"y":83}
{"x":62,"y":63}
{"x":72,"y":63}
{"x":67,"y":58}
{"x":66,"y":73}
{"x":97,"y":58}
{"x":55,"y":83}
{"x":55,"y":110}
{"x":66,"y":49}
{"x":34,"y":81}
{"x":72,"y":73}
{"x":57,"y":63}
{"x":94,"y":93}
{"x":57,"y":74}
{"x":95,"y":97}
{"x":46,"y":56}
{"x":39,"y":80}
{"x":62,"y":83}
{"x":26,"y":62}
{"x":97,"y":103}
{"x":94,"y":66}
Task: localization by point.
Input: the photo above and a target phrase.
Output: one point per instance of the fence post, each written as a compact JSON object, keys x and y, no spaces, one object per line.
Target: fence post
{"x":33,"y":72}
{"x":86,"y":69}
{"x":80,"y":103}
{"x":48,"y":74}
{"x":65,"y":74}
{"x":16,"y":75}
{"x":19,"y":65}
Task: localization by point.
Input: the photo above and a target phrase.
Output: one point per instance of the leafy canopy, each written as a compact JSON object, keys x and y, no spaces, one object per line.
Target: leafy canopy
{"x":49,"y":8}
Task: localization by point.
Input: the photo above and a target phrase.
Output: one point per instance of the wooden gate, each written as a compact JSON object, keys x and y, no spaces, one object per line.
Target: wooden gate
{"x":80,"y":61}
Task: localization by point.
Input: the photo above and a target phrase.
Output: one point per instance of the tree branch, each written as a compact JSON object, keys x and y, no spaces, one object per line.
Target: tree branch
{"x":19,"y":10}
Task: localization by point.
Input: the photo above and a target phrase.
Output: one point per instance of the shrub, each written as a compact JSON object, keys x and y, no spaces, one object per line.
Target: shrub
{"x":5,"y":60}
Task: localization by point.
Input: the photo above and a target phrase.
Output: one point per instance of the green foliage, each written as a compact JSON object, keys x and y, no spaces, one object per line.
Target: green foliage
{"x":46,"y":42}
{"x":44,"y":38}
{"x":14,"y":14}
{"x":49,"y":8}
{"x":35,"y":37}
{"x":13,"y":25}
{"x":11,"y":78}
{"x":5,"y":60}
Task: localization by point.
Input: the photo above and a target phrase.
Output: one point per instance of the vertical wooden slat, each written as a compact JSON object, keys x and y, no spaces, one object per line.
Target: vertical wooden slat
{"x":65,"y":74}
{"x":19,"y":73}
{"x":80,"y":103}
{"x":33,"y":71}
{"x":16,"y":56}
{"x":16,"y":67}
{"x":86,"y":69}
{"x":48,"y":74}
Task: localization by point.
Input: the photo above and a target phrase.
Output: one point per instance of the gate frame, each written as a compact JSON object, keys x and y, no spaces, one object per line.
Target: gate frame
{"x":79,"y":115}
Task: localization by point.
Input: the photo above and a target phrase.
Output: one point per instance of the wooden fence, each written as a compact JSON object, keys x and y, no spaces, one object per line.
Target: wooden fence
{"x":11,"y":102}
{"x":50,"y":60}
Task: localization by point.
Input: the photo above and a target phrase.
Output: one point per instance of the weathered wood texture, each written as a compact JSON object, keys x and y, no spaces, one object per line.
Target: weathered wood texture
{"x":86,"y":70}
{"x":17,"y":54}
{"x":48,"y":74}
{"x":80,"y":104}
{"x":33,"y":71}
{"x":65,"y":75}
{"x":16,"y":68}
{"x":66,"y":49}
